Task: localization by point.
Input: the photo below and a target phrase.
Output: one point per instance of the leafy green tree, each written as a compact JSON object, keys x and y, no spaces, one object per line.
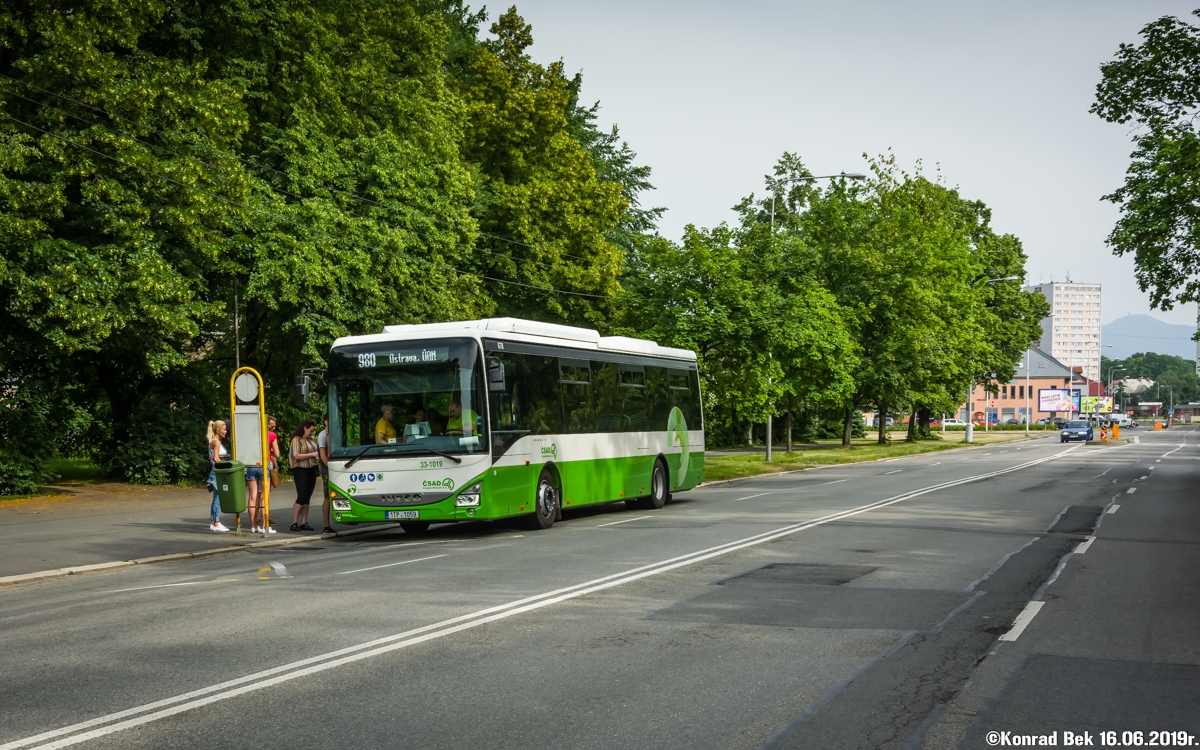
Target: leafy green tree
{"x":111,"y":226}
{"x":546,"y":215}
{"x":1155,"y":87}
{"x":1167,"y":369}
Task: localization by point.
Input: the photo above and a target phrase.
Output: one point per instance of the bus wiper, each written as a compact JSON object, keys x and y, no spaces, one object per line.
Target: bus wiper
{"x":421,"y":448}
{"x":364,"y":452}
{"x":399,"y":449}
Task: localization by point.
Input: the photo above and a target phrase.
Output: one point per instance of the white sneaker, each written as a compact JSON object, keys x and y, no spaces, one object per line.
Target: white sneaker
{"x":270,"y":530}
{"x":216,"y":527}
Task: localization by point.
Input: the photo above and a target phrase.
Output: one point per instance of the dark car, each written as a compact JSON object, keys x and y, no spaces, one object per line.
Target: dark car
{"x":1076,"y":429}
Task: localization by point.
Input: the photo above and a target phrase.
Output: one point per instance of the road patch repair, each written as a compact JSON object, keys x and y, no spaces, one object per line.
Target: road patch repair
{"x":900,"y":695}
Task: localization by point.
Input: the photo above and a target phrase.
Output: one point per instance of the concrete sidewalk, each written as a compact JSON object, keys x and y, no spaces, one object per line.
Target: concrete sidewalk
{"x":109,"y":522}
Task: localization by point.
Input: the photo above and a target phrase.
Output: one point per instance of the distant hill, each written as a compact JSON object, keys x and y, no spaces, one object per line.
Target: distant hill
{"x":1143,"y":333}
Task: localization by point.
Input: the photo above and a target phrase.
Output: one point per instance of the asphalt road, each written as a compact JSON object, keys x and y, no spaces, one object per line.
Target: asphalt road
{"x":854,"y":606}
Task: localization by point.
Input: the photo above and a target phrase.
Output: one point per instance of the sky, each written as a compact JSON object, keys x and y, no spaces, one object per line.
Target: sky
{"x":994,"y":96}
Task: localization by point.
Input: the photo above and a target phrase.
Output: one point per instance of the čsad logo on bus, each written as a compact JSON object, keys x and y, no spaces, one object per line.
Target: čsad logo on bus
{"x":550,"y":451}
{"x":677,"y":431}
{"x":439,"y":484}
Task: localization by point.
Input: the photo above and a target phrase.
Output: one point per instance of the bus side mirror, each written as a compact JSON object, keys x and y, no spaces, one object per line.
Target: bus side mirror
{"x":301,"y":390}
{"x":495,"y":374}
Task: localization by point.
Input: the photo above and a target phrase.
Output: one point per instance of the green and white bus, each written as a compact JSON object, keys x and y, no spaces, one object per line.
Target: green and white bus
{"x":489,"y":419}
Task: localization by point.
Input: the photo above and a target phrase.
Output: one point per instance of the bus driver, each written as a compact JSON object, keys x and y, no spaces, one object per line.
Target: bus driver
{"x":460,"y":422}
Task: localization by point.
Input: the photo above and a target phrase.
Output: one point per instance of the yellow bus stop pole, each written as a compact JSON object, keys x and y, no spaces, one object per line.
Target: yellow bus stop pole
{"x":265,"y":455}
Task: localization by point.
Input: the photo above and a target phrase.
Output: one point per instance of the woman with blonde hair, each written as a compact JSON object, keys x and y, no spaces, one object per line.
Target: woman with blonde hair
{"x":216,"y":452}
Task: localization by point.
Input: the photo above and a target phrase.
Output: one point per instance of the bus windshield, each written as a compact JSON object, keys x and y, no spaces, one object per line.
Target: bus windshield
{"x":415,"y":396}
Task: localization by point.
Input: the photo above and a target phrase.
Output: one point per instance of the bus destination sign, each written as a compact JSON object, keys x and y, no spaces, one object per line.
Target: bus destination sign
{"x":404,"y":357}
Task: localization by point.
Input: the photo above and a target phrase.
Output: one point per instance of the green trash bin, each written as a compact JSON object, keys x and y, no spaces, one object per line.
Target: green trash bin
{"x":231,"y":486}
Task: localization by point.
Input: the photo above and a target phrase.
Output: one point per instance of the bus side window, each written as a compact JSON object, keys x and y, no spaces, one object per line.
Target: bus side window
{"x":690,"y":403}
{"x":609,"y":417}
{"x":576,"y":384}
{"x":634,"y":405}
{"x":507,"y":403}
{"x":543,"y":404}
{"x":658,"y":397}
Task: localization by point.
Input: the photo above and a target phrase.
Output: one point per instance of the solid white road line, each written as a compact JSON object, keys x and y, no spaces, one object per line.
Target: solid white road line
{"x":1113,"y":509}
{"x":160,"y":586}
{"x":1083,"y":547}
{"x":1131,"y":490}
{"x":302,"y":668}
{"x":389,"y":565}
{"x":897,"y":471}
{"x":747,"y":497}
{"x":1103,"y":473}
{"x":836,"y":481}
{"x":627,"y":520}
{"x":1022,"y":621}
{"x":1170,"y":452}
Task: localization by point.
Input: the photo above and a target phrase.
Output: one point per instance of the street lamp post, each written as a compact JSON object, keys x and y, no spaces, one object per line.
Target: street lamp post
{"x":774,"y":191}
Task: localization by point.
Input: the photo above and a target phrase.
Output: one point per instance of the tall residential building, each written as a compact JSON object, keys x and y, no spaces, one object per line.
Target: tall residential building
{"x":1072,"y":332}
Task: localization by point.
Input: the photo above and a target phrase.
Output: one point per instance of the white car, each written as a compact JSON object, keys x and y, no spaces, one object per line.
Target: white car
{"x":1121,"y":419}
{"x":954,"y":423}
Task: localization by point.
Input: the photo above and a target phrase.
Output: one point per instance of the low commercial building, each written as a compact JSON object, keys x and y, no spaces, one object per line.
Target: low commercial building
{"x":1014,"y":396}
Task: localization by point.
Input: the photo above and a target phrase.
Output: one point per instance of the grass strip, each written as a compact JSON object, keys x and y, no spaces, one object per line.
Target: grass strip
{"x":717,"y":468}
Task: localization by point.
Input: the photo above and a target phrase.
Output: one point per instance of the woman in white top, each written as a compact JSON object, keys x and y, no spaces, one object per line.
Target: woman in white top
{"x":216,"y":452}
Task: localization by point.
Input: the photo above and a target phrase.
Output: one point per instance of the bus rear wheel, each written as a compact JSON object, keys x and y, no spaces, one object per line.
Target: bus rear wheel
{"x":415,"y":527}
{"x":545,"y":502}
{"x":658,"y":496}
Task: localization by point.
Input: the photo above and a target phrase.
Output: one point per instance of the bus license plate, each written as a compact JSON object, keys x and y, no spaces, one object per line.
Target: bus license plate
{"x":403,"y":514}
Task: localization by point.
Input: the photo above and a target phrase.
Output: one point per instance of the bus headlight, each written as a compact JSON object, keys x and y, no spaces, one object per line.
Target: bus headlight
{"x":466,"y":501}
{"x":341,"y":503}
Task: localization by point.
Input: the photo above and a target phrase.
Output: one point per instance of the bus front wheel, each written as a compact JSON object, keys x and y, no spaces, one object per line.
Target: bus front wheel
{"x":545,"y":502}
{"x":658,"y":496}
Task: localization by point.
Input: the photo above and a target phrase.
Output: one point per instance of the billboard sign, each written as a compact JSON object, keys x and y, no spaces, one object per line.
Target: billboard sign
{"x":1096,"y":404}
{"x":1054,"y":399}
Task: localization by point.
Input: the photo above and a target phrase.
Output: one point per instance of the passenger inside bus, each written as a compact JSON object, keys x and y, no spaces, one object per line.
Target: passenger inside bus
{"x":384,"y":431}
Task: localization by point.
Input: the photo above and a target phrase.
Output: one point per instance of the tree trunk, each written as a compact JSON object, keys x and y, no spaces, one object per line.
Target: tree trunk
{"x":881,"y":417}
{"x":911,"y":437}
{"x":848,"y":426}
{"x":924,"y":416}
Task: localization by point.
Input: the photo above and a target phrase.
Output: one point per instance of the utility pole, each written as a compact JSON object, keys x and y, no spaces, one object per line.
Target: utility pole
{"x":237,"y":341}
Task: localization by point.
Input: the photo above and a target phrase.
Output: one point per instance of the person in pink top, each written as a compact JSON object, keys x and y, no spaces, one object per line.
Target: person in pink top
{"x":273,"y":450}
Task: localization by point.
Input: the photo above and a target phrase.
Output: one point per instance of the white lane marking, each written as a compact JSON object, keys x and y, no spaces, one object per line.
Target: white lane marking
{"x":1170,"y":452}
{"x":1114,"y":509}
{"x":160,"y":586}
{"x":747,"y":497}
{"x":836,"y":481}
{"x":390,"y":565}
{"x":939,"y":463}
{"x":1022,"y":621}
{"x":1084,"y":546}
{"x":897,"y":471}
{"x":1131,"y":490}
{"x":1157,"y":461}
{"x":1137,"y":440}
{"x":1103,"y":473}
{"x":639,"y":518}
{"x":280,"y":570}
{"x":322,"y":662}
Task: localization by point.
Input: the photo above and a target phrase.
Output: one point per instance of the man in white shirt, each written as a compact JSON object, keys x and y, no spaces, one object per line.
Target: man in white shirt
{"x":323,"y":464}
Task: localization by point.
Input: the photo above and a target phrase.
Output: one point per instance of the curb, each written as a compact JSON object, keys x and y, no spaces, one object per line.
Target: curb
{"x":43,"y":575}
